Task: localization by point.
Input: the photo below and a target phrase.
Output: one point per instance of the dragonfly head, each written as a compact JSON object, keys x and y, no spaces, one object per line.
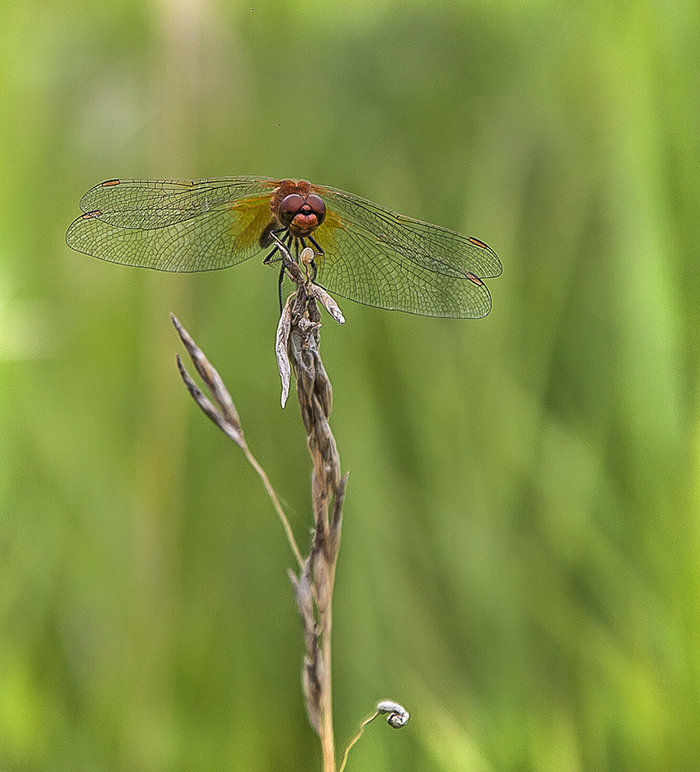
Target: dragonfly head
{"x":301,"y":214}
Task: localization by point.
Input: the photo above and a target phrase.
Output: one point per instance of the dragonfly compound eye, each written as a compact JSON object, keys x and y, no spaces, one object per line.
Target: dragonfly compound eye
{"x":318,"y":207}
{"x":289,"y":208}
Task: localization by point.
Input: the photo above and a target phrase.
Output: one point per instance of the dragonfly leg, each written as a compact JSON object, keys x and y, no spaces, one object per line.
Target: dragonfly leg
{"x":319,"y":248}
{"x":318,"y":253}
{"x":279,"y":244}
{"x":269,"y":232}
{"x":268,"y":257}
{"x":279,"y":286}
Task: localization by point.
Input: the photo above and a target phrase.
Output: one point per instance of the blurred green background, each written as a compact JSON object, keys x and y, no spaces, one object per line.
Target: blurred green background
{"x":520,"y":564}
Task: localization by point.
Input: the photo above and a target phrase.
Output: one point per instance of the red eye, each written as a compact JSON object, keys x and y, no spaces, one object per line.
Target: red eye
{"x":289,"y":208}
{"x":318,"y":206}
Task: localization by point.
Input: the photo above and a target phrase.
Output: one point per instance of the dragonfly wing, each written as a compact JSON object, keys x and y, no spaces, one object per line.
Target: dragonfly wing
{"x":362,"y":267}
{"x":173,"y":226}
{"x":381,"y":258}
{"x":431,"y":246}
{"x":158,"y":203}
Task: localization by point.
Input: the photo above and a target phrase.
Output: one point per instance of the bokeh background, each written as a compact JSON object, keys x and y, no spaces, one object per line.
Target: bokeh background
{"x":520,"y":564}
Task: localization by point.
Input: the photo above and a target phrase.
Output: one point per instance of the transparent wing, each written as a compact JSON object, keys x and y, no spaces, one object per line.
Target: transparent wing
{"x":384,"y":259}
{"x":431,"y":246}
{"x":198,"y":225}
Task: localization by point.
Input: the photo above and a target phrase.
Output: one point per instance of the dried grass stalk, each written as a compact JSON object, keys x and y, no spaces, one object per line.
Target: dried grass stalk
{"x":297,"y":349}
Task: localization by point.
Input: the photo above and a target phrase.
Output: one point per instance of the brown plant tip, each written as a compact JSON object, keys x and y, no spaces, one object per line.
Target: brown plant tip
{"x":231,"y":430}
{"x":224,"y":413}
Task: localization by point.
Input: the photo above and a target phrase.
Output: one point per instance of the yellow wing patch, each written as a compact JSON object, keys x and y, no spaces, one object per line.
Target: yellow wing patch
{"x":251,"y":216}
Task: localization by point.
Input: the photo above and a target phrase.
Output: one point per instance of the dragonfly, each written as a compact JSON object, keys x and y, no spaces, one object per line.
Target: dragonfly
{"x":362,"y":251}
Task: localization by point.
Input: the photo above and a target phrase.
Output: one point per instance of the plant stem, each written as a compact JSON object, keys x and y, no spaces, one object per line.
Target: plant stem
{"x":298,"y":341}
